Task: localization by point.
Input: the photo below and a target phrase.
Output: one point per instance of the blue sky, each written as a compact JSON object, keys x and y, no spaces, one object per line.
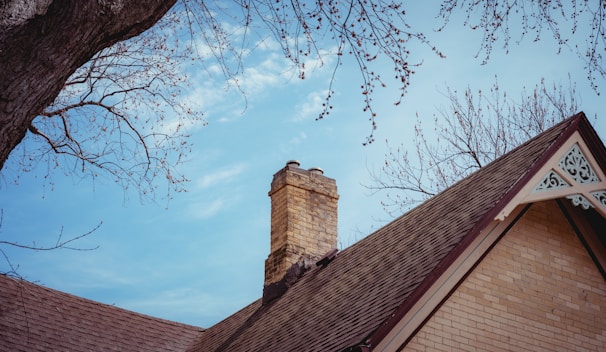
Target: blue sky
{"x":200,"y":257}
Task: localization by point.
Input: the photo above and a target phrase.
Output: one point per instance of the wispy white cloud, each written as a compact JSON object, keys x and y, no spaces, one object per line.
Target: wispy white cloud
{"x":223,"y":89}
{"x":204,"y":93}
{"x":299,"y":138}
{"x":224,"y":97}
{"x":223,"y":200}
{"x":311,"y":107}
{"x":222,"y":175}
{"x":207,"y":210}
{"x":256,"y":79}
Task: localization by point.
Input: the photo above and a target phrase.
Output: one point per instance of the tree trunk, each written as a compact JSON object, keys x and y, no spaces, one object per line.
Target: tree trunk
{"x":41,"y":48}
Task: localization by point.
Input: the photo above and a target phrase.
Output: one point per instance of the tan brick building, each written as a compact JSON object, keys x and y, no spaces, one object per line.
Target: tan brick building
{"x":511,"y":258}
{"x":538,"y":289}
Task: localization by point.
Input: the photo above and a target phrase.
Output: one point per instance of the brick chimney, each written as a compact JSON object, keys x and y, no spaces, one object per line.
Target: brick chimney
{"x":303,"y":220}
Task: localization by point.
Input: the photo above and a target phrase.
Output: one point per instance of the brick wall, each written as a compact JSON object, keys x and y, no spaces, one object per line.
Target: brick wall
{"x":303,"y":219}
{"x":537,"y":290}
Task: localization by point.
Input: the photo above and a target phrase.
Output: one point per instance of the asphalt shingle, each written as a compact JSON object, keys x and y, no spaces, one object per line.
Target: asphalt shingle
{"x":35,"y":318}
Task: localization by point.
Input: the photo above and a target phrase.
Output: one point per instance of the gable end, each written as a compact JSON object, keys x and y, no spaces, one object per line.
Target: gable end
{"x":572,"y":172}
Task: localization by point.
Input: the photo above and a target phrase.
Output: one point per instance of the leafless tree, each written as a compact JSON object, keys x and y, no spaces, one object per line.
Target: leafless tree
{"x":97,"y":103}
{"x":475,"y":129}
{"x":121,"y":115}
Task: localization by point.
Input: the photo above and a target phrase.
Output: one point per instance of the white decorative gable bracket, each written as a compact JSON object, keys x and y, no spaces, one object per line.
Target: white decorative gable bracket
{"x":571,"y":173}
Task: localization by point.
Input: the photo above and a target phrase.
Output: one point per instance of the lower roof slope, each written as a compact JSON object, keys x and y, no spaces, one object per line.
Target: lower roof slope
{"x":343,"y":304}
{"x":35,"y":318}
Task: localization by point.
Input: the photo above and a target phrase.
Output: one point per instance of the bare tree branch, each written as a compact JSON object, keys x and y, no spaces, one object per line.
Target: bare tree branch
{"x":576,"y":25}
{"x":474,"y":130}
{"x":60,"y":243}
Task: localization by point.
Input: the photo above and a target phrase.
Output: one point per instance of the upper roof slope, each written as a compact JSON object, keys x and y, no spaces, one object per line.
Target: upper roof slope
{"x":343,"y":304}
{"x":35,"y":318}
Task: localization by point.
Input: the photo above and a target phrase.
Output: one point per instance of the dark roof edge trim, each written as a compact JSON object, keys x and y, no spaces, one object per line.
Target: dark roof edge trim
{"x":594,"y":142}
{"x":381,"y":332}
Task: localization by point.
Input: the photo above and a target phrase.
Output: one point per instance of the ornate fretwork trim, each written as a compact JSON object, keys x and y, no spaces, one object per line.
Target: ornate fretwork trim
{"x":575,"y":164}
{"x":576,"y":171}
{"x":600,"y":196}
{"x":571,"y":173}
{"x":578,"y":199}
{"x":551,"y":181}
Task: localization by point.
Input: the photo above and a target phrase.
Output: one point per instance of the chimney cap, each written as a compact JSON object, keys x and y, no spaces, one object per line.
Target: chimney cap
{"x":293,"y":163}
{"x":316,"y":170}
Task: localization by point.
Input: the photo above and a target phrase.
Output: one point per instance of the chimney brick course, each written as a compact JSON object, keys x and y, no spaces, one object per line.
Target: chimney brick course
{"x":303,"y":219}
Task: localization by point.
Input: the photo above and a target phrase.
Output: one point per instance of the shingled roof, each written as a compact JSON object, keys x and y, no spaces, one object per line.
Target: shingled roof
{"x":35,"y":318}
{"x":353,"y":302}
